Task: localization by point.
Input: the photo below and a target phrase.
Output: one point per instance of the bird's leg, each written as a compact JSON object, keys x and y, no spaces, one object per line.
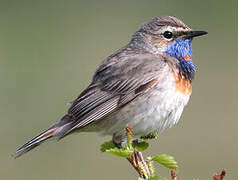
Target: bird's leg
{"x":135,"y":141}
{"x":117,"y":141}
{"x":118,"y":145}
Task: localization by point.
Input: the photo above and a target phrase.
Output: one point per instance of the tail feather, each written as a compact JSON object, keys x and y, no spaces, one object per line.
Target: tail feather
{"x":36,"y":141}
{"x":56,"y":130}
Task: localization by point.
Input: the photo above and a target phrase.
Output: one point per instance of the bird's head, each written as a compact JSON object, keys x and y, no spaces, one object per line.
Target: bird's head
{"x":170,"y":35}
{"x":167,"y":34}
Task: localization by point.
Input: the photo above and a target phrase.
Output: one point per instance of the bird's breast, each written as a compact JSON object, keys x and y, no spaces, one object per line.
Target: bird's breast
{"x":182,"y":84}
{"x":158,"y":108}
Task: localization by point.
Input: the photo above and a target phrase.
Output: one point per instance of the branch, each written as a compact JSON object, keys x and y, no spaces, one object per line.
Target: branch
{"x":221,"y":176}
{"x":132,"y":151}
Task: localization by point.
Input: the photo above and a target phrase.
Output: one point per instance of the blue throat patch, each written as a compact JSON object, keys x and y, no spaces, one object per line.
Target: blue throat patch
{"x":181,"y":49}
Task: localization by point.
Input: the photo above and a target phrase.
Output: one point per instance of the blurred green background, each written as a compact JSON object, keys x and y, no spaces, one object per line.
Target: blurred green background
{"x":48,"y":52}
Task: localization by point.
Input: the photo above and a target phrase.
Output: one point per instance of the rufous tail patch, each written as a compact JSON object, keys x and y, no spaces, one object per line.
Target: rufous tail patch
{"x":51,"y":133}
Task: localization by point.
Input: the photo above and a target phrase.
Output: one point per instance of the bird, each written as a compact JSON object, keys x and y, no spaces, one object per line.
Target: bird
{"x":146,"y":84}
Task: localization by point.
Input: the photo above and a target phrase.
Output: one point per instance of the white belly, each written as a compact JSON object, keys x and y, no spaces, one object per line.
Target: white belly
{"x":157,"y":109}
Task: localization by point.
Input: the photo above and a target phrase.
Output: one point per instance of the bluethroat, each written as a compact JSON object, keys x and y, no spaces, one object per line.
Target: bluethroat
{"x":145,"y":84}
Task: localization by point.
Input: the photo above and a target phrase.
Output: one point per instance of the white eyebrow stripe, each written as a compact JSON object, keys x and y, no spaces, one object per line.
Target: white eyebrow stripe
{"x":170,"y":28}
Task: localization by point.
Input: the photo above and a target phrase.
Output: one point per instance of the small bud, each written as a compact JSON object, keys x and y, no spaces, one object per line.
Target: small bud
{"x":129,"y":135}
{"x":174,"y":174}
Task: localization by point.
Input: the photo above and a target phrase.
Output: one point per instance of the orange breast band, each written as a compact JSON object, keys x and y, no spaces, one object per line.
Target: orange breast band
{"x":183,"y":85}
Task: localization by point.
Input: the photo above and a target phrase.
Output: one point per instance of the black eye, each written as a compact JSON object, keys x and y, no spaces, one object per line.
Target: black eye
{"x":168,"y":34}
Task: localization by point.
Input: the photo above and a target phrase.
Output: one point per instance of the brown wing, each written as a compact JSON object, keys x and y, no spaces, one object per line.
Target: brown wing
{"x":114,"y":84}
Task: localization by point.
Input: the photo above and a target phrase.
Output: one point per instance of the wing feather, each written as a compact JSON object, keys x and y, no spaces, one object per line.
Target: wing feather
{"x":115,"y":84}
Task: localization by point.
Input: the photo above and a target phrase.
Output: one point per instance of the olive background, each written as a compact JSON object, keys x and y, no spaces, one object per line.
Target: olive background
{"x":48,"y":52}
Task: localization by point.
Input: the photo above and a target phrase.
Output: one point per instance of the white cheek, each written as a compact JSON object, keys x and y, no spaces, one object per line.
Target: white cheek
{"x":160,"y":50}
{"x":162,"y":47}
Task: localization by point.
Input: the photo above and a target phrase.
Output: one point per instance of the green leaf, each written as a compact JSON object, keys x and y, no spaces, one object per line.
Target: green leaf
{"x":166,"y":160}
{"x":107,"y":145}
{"x":152,"y":135}
{"x":140,"y":146}
{"x":120,"y":152}
{"x":140,"y":178}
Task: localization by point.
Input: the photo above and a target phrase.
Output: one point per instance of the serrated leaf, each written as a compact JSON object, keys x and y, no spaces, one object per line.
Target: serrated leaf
{"x":141,"y":146}
{"x":107,"y":145}
{"x":120,"y":152}
{"x":166,"y":160}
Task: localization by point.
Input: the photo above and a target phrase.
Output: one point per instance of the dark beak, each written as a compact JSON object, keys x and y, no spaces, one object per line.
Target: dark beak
{"x":192,"y":34}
